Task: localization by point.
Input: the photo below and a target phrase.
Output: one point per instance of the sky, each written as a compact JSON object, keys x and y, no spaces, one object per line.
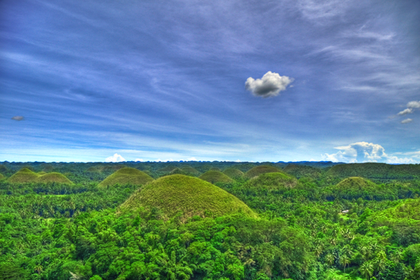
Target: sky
{"x":228,"y":80}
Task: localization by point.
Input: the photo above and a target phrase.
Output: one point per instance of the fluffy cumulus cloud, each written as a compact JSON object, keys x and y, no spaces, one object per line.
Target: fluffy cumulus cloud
{"x":413,"y":104}
{"x":269,"y":85}
{"x":358,"y":152}
{"x":115,"y":158}
{"x":364,"y":152}
{"x":406,"y":121}
{"x":18,"y":118}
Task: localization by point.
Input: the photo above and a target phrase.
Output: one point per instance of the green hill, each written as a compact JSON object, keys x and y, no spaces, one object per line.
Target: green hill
{"x":273,"y":181}
{"x":1,"y":177}
{"x":233,"y":173}
{"x":24,"y":175}
{"x":214,"y":176}
{"x":300,"y":171}
{"x":357,"y":187}
{"x":3,"y":168}
{"x":191,"y":171}
{"x":126,"y":175}
{"x":53,"y":177}
{"x":167,"y":168}
{"x":191,"y":196}
{"x":376,"y":171}
{"x":258,"y":170}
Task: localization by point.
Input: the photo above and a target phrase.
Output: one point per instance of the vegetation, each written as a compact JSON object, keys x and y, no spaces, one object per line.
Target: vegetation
{"x":24,"y":175}
{"x":233,"y":173}
{"x":126,"y":176}
{"x":258,"y":170}
{"x":300,"y":171}
{"x":186,"y":197}
{"x":305,"y":221}
{"x":53,"y":177}
{"x":214,"y":176}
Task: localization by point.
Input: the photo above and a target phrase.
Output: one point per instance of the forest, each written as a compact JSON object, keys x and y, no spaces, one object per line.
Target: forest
{"x":209,"y":220}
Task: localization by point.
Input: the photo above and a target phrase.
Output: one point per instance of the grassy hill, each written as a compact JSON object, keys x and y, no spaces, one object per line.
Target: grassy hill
{"x":376,"y":171}
{"x":233,"y":173}
{"x":3,"y":168}
{"x":126,"y":175}
{"x":273,"y":181}
{"x":53,"y":177}
{"x":24,"y":175}
{"x":2,"y":177}
{"x":190,"y":196}
{"x":357,"y":187}
{"x":258,"y":170}
{"x":300,"y":171}
{"x":214,"y":176}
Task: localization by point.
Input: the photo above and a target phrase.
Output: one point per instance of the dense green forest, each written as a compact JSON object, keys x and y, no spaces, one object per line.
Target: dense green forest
{"x":209,"y":220}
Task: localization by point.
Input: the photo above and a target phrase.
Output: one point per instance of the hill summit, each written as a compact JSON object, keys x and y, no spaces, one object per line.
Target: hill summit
{"x":26,"y":175}
{"x":214,"y":176}
{"x":124,"y":176}
{"x":258,"y":170}
{"x":189,"y":196}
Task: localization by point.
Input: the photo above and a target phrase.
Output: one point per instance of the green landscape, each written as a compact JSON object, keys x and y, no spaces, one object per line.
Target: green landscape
{"x":209,"y":220}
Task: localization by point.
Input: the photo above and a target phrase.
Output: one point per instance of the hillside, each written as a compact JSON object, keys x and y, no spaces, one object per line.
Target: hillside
{"x":233,"y":173}
{"x":300,"y":171}
{"x":377,"y":171}
{"x":358,"y":187}
{"x":53,"y":177}
{"x":273,"y":181}
{"x":258,"y":170}
{"x":24,"y":175}
{"x":214,"y":176}
{"x":125,"y":176}
{"x":187,"y":195}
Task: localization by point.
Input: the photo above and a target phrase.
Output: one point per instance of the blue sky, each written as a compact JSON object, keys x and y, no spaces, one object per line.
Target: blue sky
{"x":152,"y":80}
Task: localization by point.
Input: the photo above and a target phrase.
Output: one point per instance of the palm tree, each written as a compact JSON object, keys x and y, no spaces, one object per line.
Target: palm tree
{"x":366,"y":269}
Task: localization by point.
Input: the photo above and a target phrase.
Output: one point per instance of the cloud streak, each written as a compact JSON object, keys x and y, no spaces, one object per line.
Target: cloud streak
{"x":18,"y":118}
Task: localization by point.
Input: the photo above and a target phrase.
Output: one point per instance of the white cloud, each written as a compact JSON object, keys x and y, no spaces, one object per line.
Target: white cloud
{"x":115,"y":158}
{"x":406,"y":121}
{"x":413,"y":104}
{"x":366,"y":152}
{"x":321,"y":9}
{"x":406,"y":111}
{"x":269,"y":85}
{"x":17,"y":118}
{"x":358,"y":152}
{"x":394,"y":159}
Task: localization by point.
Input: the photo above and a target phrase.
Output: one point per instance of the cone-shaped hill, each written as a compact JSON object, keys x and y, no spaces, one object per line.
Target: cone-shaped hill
{"x":24,"y":175}
{"x":300,"y":171}
{"x":214,"y":176}
{"x":258,"y":170}
{"x":1,"y":177}
{"x":190,"y":196}
{"x":355,"y":187}
{"x":3,"y":168}
{"x":187,"y":170}
{"x":356,"y":184}
{"x":126,"y":175}
{"x":53,"y":177}
{"x":273,"y":181}
{"x":233,"y":173}
{"x":190,"y":170}
{"x":28,"y":176}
